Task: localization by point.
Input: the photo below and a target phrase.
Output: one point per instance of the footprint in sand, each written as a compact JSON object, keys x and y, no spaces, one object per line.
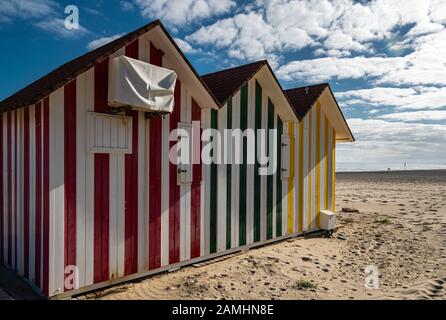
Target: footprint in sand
{"x":435,"y":289}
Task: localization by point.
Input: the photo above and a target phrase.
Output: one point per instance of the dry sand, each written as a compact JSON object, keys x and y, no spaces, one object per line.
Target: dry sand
{"x":400,"y":228}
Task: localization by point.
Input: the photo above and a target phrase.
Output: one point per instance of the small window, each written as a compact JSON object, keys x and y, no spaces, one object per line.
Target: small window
{"x":286,"y":149}
{"x":184,"y":170}
{"x":107,"y":133}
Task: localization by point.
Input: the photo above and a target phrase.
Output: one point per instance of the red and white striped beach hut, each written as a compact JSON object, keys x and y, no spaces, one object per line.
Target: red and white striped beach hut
{"x":88,"y":196}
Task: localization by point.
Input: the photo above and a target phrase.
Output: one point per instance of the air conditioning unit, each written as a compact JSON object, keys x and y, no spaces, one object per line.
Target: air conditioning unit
{"x":140,"y":86}
{"x":327,"y":221}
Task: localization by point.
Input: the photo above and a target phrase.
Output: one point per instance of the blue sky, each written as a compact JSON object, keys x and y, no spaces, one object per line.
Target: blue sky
{"x":384,"y":59}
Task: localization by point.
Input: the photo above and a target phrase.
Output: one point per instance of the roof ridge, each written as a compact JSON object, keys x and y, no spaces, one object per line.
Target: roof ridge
{"x":309,"y":86}
{"x":303,"y":98}
{"x":264,"y":61}
{"x":224,"y":88}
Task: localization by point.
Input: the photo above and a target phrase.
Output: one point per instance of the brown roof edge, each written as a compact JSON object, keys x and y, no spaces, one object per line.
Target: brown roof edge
{"x":60,"y":76}
{"x":283,"y":91}
{"x":223,"y":101}
{"x":304,"y":105}
{"x":260,"y":63}
{"x":316,"y":97}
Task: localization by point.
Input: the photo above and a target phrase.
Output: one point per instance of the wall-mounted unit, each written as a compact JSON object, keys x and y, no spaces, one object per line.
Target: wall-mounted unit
{"x":140,"y":85}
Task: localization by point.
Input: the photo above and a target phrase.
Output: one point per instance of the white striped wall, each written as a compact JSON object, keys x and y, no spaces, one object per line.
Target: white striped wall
{"x":235,"y":177}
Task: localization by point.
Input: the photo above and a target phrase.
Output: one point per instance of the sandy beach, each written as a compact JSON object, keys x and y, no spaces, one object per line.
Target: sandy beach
{"x":400,"y":228}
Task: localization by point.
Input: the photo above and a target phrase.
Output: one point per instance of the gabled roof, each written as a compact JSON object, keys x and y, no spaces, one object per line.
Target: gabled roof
{"x":225,"y":83}
{"x":42,"y":87}
{"x":302,"y":99}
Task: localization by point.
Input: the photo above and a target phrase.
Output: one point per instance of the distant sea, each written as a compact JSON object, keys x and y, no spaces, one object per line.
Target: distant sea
{"x":414,"y":176}
{"x":371,"y":167}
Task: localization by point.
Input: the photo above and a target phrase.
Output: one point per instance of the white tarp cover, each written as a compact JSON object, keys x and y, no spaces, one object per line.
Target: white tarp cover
{"x":140,"y":85}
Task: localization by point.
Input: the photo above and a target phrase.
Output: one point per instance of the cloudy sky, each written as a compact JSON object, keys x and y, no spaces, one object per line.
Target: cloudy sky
{"x":385,"y":59}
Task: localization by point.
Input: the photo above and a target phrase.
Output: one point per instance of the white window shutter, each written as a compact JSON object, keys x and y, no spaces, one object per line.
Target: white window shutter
{"x":286,"y":148}
{"x":107,"y":133}
{"x":184,"y":170}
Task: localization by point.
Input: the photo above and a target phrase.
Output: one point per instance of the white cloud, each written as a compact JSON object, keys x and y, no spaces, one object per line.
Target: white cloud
{"x":331,"y":53}
{"x":126,"y":5}
{"x":57,"y":26}
{"x":341,"y":41}
{"x":91,"y":11}
{"x":431,"y":115}
{"x":184,"y":11}
{"x":220,"y":34}
{"x":424,"y":66}
{"x":26,"y":9}
{"x":46,"y":15}
{"x":336,"y":28}
{"x":437,"y":11}
{"x":425,"y":28}
{"x":323,"y":69}
{"x":382,"y":144}
{"x":414,"y":98}
{"x":247,"y":35}
{"x":185,"y":46}
{"x":102,"y":41}
{"x":373,"y":111}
